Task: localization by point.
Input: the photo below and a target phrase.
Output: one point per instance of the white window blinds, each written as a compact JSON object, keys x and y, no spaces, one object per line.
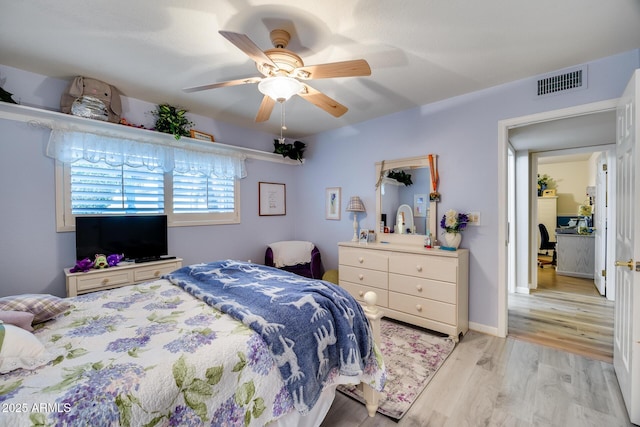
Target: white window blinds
{"x":98,"y":189}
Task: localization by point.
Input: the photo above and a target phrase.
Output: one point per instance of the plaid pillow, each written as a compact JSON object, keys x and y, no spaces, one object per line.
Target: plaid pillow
{"x":43,"y":306}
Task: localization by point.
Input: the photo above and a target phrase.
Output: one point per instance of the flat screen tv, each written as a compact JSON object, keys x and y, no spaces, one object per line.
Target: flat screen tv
{"x":139,"y":237}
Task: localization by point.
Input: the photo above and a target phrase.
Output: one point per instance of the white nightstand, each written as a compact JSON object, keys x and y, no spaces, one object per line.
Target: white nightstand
{"x":125,"y":273}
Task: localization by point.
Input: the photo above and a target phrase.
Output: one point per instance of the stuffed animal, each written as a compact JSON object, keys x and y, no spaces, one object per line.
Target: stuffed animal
{"x":93,"y":99}
{"x":114,"y":259}
{"x":83,"y":265}
{"x":100,"y":261}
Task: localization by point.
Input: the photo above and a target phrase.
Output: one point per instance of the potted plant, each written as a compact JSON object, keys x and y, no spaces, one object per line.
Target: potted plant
{"x":293,"y":151}
{"x":544,"y":182}
{"x":173,"y":120}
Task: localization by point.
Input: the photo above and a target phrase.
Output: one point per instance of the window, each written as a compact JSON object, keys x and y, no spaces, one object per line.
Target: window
{"x":99,"y":189}
{"x":85,"y":188}
{"x":102,"y":172}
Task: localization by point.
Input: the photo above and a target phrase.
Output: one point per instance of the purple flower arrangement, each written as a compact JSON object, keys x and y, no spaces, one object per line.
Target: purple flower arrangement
{"x":454,"y":222}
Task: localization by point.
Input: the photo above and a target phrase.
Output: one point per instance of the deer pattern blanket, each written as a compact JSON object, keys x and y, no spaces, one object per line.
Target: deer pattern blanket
{"x":314,"y":329}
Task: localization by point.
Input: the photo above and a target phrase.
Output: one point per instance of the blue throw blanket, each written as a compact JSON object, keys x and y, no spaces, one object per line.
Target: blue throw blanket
{"x":310,"y":326}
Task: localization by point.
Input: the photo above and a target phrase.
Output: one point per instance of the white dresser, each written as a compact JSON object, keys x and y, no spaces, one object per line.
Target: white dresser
{"x":125,"y":273}
{"x":423,"y":287}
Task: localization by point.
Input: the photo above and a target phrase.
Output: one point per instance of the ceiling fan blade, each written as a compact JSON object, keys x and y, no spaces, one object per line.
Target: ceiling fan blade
{"x":354,"y":68}
{"x":248,"y":80}
{"x":266,"y":107}
{"x":245,"y":44}
{"x":321,"y":100}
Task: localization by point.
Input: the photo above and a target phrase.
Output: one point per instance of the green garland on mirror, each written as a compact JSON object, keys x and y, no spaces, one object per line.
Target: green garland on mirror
{"x":400,"y":176}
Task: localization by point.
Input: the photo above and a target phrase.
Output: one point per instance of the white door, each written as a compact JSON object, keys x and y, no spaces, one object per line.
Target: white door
{"x":626,"y":341}
{"x":600,"y":264}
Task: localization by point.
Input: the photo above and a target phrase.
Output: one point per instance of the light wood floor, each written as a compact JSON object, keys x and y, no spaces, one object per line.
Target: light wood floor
{"x":566,"y":313}
{"x":490,"y":381}
{"x":554,"y":374}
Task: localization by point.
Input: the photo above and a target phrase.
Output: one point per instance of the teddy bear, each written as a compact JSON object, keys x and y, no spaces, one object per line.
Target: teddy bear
{"x":93,"y":99}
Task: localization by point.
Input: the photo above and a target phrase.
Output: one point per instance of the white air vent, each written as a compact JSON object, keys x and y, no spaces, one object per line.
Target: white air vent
{"x":566,"y":81}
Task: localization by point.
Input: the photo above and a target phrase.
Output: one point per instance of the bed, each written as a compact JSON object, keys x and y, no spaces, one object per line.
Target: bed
{"x":221,"y":343}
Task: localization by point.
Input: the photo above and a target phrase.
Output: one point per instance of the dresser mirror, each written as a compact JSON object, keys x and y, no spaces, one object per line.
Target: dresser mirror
{"x":405,"y":210}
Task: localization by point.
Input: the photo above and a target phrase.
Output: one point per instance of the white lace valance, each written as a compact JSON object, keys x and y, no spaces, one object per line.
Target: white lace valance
{"x":68,"y":146}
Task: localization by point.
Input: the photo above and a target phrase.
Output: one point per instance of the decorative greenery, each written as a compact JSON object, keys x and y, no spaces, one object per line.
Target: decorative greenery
{"x":400,"y":176}
{"x":545,"y":181}
{"x":454,"y":222}
{"x":6,"y":96}
{"x":172,"y":120}
{"x":293,"y":151}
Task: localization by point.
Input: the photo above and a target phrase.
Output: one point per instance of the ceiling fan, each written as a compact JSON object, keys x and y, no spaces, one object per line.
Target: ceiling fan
{"x":284,"y":74}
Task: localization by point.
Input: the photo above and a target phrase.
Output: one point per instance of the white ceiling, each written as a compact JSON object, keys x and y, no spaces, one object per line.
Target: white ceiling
{"x":420,"y":51}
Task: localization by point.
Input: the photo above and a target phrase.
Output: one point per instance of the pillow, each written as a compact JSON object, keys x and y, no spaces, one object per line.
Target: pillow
{"x":21,"y":319}
{"x":43,"y":306}
{"x":20,"y":349}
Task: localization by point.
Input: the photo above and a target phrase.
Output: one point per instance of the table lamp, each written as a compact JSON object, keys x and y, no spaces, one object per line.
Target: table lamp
{"x":355,"y":205}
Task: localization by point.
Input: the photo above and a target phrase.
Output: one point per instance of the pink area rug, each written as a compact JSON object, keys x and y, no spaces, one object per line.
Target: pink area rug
{"x":412,"y":357}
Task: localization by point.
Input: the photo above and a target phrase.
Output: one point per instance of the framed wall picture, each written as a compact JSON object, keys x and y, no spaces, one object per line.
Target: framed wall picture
{"x":332,"y":203}
{"x":420,"y":205}
{"x":196,"y":134}
{"x":272,"y":199}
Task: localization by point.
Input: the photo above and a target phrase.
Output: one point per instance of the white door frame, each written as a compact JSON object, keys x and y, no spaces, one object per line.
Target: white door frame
{"x":503,"y":140}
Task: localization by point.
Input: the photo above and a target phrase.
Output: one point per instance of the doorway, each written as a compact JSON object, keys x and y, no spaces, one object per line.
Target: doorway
{"x":564,"y":309}
{"x":523,"y":236}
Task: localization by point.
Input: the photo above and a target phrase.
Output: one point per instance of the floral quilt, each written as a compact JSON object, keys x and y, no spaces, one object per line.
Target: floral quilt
{"x":146,"y":355}
{"x":313,"y":329}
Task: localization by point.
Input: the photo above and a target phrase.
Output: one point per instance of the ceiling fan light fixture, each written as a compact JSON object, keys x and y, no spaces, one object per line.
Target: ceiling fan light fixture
{"x":280,"y":88}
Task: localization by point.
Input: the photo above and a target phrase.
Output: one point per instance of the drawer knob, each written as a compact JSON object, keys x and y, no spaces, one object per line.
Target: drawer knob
{"x":105,"y":280}
{"x":418,"y":307}
{"x":360,"y":260}
{"x":419,"y":267}
{"x":360,"y":293}
{"x":419,"y":288}
{"x":361,"y":276}
{"x":156,"y":274}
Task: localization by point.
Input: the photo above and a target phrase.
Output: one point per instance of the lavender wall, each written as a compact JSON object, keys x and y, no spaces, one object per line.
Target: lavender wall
{"x":33,"y":254}
{"x":462,"y":131}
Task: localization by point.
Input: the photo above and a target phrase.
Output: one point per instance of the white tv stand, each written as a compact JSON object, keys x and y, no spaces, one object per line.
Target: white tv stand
{"x":125,"y":273}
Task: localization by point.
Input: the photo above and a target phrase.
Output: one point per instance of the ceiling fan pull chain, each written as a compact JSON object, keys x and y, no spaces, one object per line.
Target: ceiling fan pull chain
{"x":282,"y":125}
{"x":282,"y":119}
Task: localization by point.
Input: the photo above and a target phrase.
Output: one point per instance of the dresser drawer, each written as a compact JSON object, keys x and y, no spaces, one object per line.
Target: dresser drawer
{"x":369,"y":259}
{"x":363,"y":276}
{"x":428,"y":267}
{"x":422,"y":307}
{"x":103,"y":280}
{"x":358,"y":291}
{"x":153,"y":271}
{"x":425,"y":288}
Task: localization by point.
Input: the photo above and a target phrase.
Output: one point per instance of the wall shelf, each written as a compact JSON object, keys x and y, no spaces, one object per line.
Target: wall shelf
{"x":56,"y":120}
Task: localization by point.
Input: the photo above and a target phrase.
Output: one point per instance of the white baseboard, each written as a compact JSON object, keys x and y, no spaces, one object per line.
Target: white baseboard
{"x":522,"y":290}
{"x":479,"y":327}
